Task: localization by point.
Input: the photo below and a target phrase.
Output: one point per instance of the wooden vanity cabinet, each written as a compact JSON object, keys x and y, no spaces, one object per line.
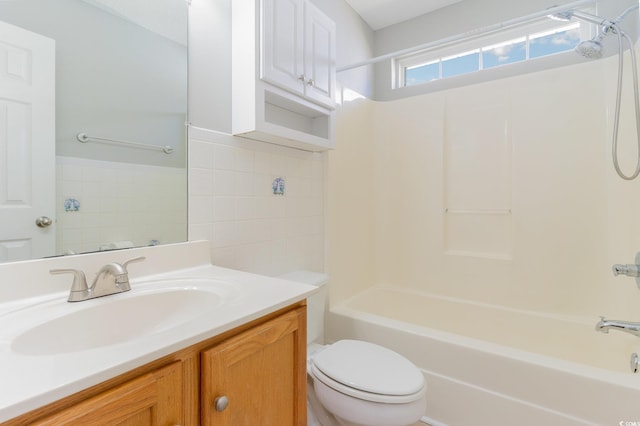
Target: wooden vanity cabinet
{"x":155,"y":398}
{"x":257,"y":377}
{"x":260,"y":367}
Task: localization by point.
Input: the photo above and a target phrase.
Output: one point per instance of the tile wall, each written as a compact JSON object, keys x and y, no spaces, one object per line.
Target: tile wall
{"x":233,"y":205}
{"x":99,"y":203}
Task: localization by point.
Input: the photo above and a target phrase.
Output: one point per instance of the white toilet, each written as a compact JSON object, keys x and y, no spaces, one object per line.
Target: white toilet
{"x":358,"y":383}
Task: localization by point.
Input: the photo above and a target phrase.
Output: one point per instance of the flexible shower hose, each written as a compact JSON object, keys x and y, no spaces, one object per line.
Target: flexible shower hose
{"x":616,"y":121}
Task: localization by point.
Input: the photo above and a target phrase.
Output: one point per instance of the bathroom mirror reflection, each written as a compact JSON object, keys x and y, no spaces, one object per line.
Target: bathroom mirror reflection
{"x":116,"y":72}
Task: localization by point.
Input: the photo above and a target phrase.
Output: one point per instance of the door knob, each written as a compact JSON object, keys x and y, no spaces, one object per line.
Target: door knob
{"x":43,"y":221}
{"x":221,"y":403}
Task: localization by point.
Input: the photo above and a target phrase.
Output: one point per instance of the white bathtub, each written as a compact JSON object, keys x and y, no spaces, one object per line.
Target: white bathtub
{"x":486,"y":365}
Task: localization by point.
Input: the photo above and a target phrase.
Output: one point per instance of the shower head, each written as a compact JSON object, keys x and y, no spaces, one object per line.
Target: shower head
{"x":590,"y":49}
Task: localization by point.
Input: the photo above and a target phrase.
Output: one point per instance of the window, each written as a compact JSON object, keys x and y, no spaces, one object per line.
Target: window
{"x":510,"y":46}
{"x":504,"y":53}
{"x":550,"y":42}
{"x":460,"y":64}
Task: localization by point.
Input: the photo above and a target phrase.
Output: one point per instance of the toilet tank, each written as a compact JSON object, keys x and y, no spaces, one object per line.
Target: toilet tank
{"x":315,"y":303}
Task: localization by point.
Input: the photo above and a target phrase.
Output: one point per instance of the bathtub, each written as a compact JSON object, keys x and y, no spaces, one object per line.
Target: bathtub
{"x":487,"y":365}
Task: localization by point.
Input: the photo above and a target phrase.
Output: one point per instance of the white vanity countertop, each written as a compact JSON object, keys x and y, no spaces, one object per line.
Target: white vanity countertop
{"x":29,"y":381}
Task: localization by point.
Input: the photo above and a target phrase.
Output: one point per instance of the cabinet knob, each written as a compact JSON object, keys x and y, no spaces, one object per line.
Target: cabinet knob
{"x":311,"y":82}
{"x":221,"y":403}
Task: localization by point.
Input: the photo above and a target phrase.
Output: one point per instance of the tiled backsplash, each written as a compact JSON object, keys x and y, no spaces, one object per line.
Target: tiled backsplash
{"x":99,"y":203}
{"x":233,"y":205}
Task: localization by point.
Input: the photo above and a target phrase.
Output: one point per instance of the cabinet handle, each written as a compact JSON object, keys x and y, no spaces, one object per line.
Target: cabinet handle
{"x":309,"y":82}
{"x":221,"y":403}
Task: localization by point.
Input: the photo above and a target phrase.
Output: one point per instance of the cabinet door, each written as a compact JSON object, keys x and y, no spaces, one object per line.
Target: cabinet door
{"x":320,"y":56}
{"x":261,"y":373}
{"x":283,"y":44}
{"x":152,"y":399}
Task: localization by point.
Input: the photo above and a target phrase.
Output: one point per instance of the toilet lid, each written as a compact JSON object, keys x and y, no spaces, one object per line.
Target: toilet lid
{"x":370,"y":368}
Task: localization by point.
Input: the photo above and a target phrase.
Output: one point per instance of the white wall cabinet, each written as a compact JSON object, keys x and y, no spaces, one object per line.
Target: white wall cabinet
{"x":298,"y":48}
{"x":283,"y":73}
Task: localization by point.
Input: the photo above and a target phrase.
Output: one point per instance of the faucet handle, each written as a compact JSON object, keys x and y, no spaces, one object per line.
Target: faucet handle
{"x":632,"y":270}
{"x":79,"y":280}
{"x":135,"y":259}
{"x":629,"y":270}
{"x":79,"y":286}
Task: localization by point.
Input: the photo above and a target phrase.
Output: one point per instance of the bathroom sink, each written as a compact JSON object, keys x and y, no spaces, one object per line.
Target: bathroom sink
{"x":147,"y":310}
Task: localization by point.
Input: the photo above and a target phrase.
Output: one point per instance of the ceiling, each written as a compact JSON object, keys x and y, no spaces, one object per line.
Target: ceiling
{"x":382,"y":13}
{"x":167,"y":17}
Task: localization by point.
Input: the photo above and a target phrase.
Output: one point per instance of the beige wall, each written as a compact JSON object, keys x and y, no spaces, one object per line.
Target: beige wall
{"x":350,"y":210}
{"x":501,"y":192}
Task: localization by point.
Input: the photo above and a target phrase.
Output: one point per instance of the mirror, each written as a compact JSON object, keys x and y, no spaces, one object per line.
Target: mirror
{"x":105,"y":81}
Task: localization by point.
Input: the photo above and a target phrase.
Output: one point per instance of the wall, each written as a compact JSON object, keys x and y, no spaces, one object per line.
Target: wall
{"x":501,"y":192}
{"x":231,"y":202}
{"x":619,"y":295}
{"x":480,"y":199}
{"x":355,"y":43}
{"x":350,"y":203}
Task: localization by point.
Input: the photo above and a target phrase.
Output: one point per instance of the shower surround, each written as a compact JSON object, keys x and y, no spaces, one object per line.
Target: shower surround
{"x":499,"y":193}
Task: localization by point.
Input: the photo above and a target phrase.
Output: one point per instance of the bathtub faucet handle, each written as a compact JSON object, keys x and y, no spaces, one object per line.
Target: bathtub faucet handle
{"x":628,"y":270}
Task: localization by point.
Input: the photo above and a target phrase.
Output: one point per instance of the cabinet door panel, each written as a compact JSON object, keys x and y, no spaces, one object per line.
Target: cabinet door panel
{"x":282,"y":44}
{"x":320,"y":55}
{"x":261,"y":372}
{"x":152,"y":399}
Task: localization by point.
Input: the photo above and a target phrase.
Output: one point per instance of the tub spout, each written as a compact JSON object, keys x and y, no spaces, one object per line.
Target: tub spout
{"x":604,"y":325}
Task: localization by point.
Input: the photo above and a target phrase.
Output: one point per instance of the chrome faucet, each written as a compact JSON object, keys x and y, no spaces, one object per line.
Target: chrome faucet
{"x":604,"y":325}
{"x":111,"y":278}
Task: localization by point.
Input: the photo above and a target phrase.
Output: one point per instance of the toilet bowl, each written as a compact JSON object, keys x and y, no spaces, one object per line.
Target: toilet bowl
{"x":357,"y":383}
{"x":361,"y":383}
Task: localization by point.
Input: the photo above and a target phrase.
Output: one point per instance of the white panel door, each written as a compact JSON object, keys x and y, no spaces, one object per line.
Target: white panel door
{"x":283,"y":44}
{"x":27,"y":143}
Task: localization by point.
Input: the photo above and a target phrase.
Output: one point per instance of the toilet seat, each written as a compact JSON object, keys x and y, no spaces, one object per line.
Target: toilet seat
{"x":369,"y":372}
{"x":365,"y":396}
